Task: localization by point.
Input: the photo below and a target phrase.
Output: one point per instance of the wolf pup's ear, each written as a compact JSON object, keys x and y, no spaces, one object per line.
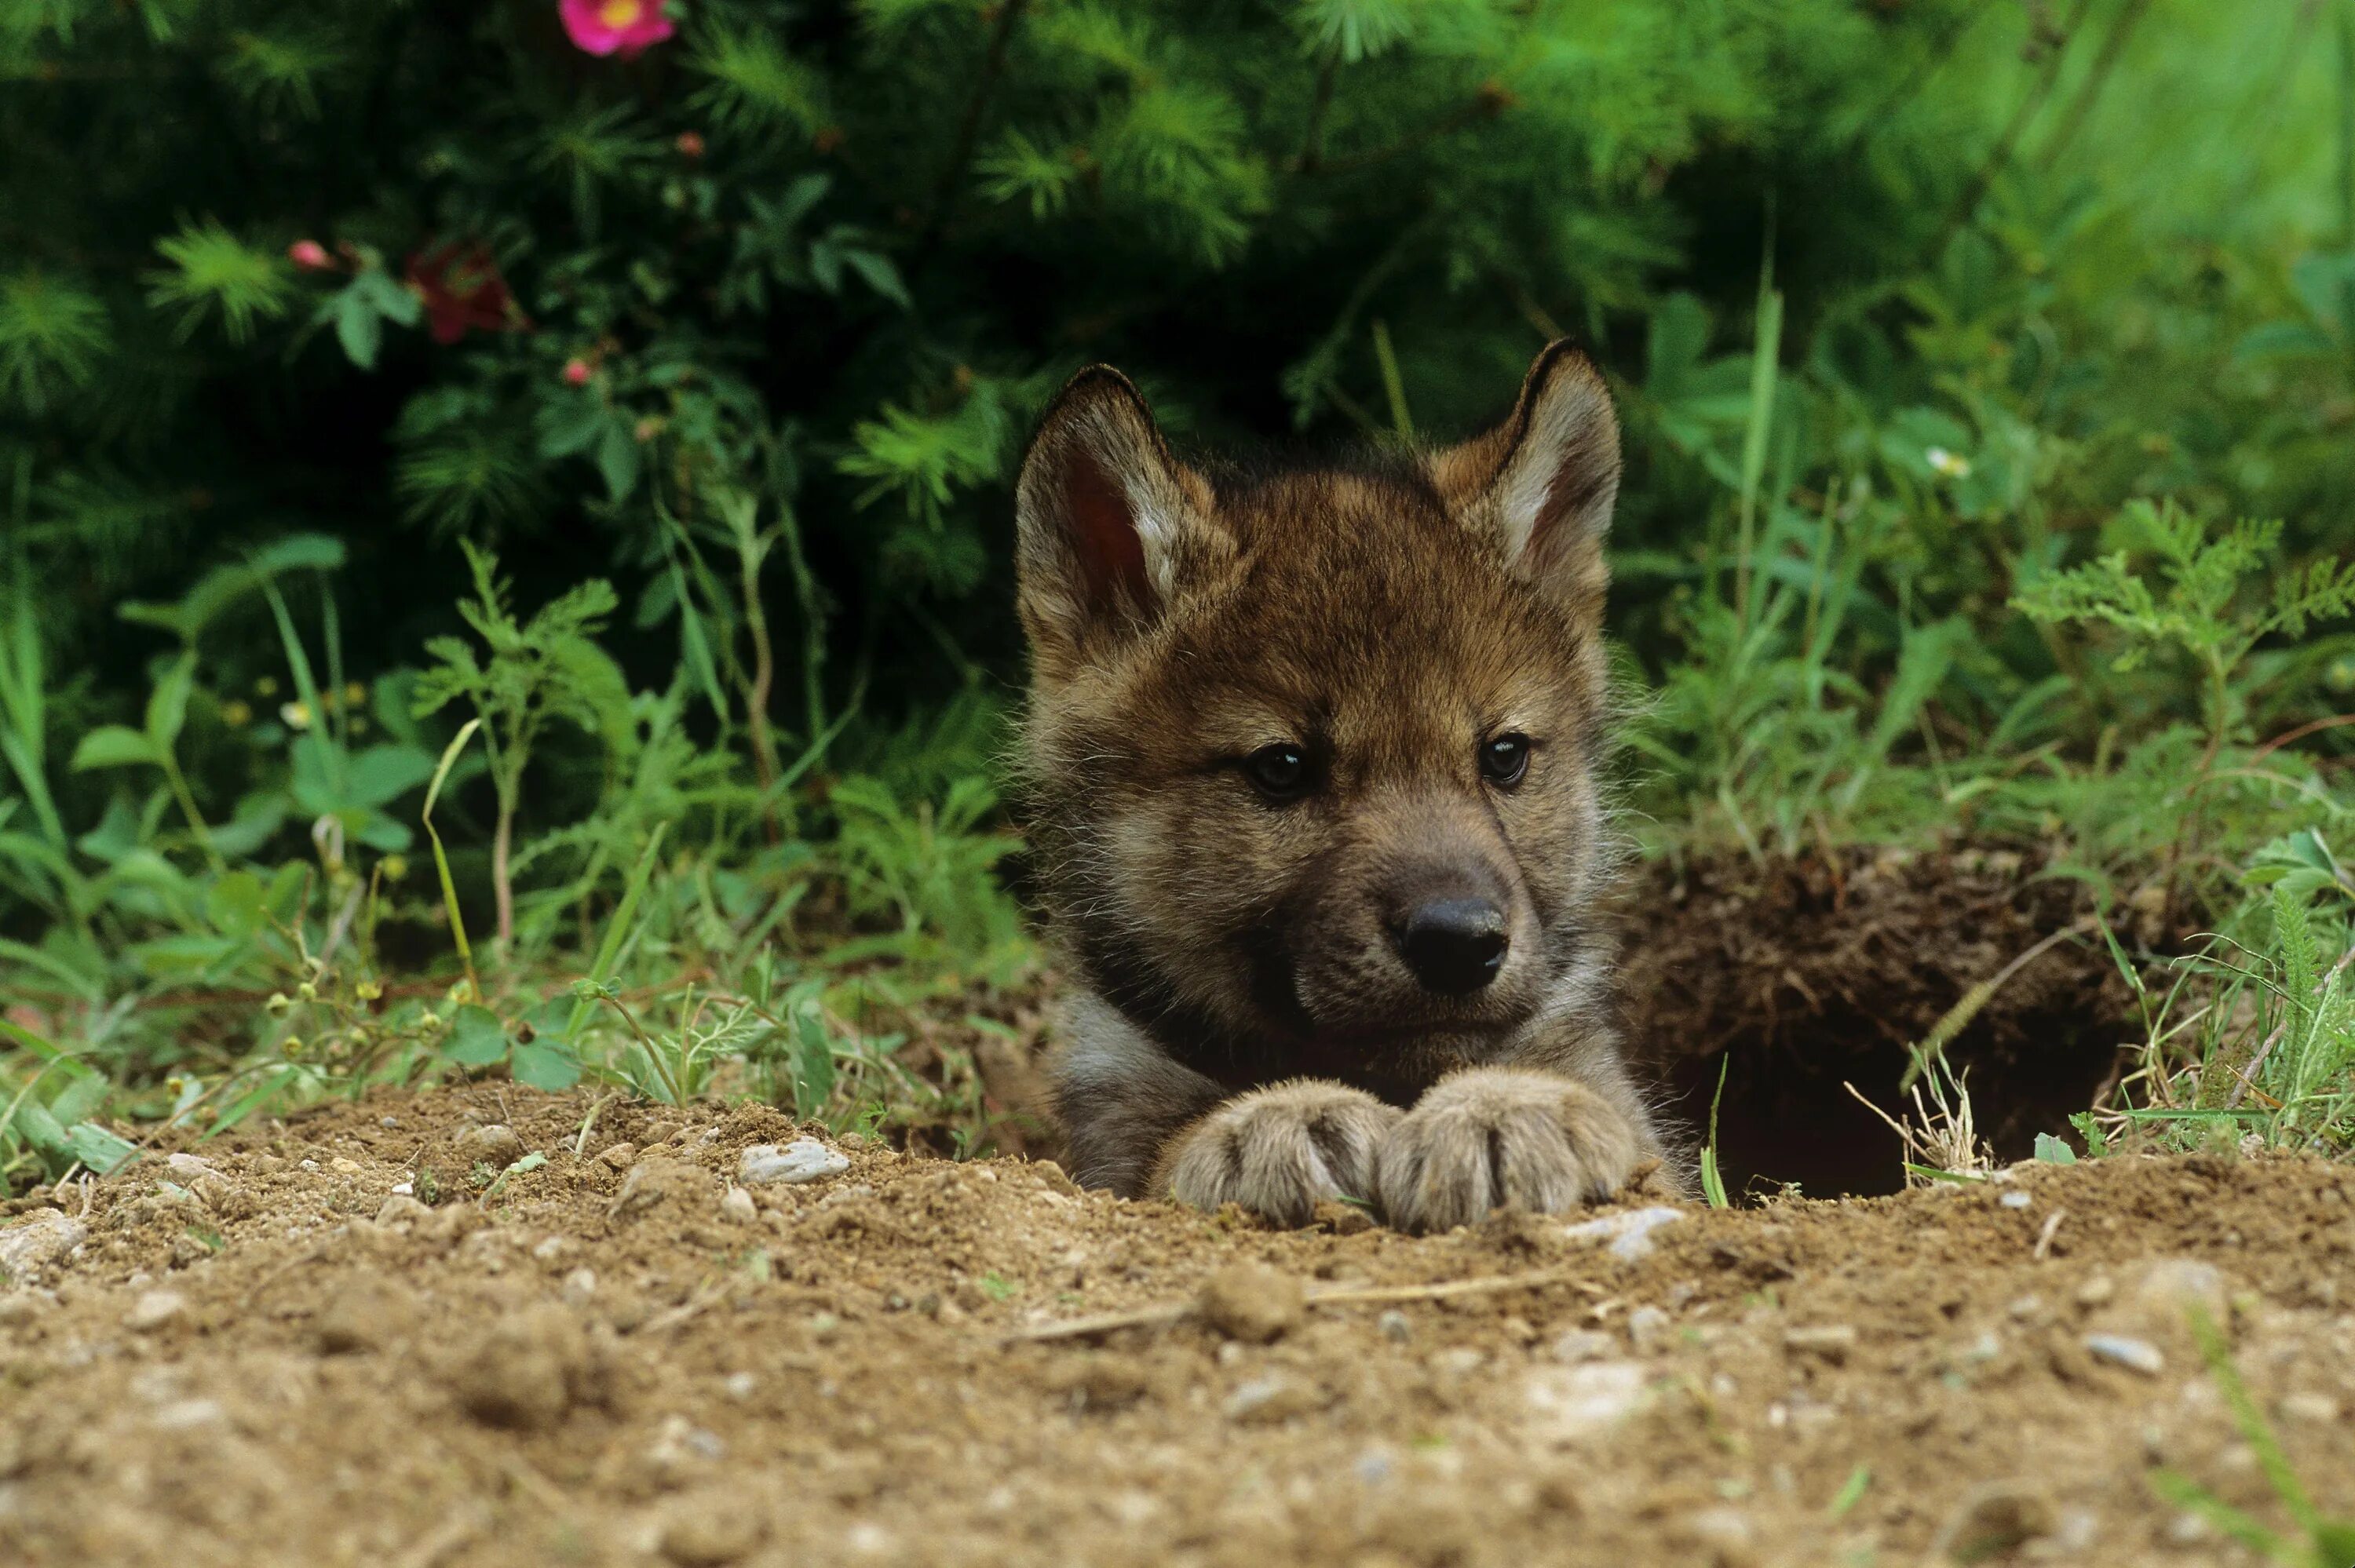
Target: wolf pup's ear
{"x":1108,"y":523}
{"x":1545,"y":480}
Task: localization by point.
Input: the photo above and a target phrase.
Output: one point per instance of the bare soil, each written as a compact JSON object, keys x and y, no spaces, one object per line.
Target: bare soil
{"x":1809,"y":975}
{"x":619,"y":1357}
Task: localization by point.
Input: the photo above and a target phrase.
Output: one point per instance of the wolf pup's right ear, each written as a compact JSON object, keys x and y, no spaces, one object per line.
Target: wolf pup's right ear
{"x":1108,"y":523}
{"x":1544,"y":482}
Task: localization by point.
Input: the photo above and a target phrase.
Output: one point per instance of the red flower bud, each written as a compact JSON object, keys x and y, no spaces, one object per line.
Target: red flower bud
{"x":309,"y":255}
{"x":576,"y":372}
{"x":690,"y":145}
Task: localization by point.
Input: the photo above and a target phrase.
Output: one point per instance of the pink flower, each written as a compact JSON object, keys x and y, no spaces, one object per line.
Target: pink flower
{"x":624,"y":27}
{"x":309,"y":255}
{"x":576,"y":372}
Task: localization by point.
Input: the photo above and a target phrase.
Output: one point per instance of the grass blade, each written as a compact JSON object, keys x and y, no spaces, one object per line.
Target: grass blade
{"x":442,"y":860}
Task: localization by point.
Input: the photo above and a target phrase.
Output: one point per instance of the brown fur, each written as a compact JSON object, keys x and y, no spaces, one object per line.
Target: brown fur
{"x":1243,"y":1027}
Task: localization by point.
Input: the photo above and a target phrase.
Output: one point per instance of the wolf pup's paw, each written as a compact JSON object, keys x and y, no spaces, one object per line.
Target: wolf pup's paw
{"x":1280,"y":1150}
{"x":1491,"y":1138}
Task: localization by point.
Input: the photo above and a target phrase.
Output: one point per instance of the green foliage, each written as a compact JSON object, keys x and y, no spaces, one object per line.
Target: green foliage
{"x":1935,"y":365}
{"x":2200,"y":605}
{"x":214,"y":277}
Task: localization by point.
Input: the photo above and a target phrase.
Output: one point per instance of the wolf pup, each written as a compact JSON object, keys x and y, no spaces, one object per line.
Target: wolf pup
{"x":1311,"y":765}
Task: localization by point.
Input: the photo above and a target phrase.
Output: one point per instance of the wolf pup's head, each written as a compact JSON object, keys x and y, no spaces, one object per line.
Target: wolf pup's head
{"x":1311,"y":753}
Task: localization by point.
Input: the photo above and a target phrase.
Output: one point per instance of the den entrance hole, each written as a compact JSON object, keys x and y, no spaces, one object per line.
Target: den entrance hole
{"x":1797,"y":978}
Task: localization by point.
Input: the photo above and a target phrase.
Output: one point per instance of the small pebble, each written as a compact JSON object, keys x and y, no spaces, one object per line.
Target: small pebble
{"x":580,"y":1286}
{"x":1628,"y":1233}
{"x":494,"y":1145}
{"x":344,"y":1167}
{"x":30,"y":1246}
{"x":2095,"y":1291}
{"x":1395,"y":1326}
{"x":401,"y":1209}
{"x":1279,"y":1396}
{"x":1582,"y":1345}
{"x":2314,"y":1409}
{"x":1569,"y":1405}
{"x":2135,"y":1355}
{"x":2171,"y":1287}
{"x":1648,"y":1327}
{"x":154,"y":1309}
{"x":1250,"y":1301}
{"x":803,"y":1159}
{"x":1832,"y":1341}
{"x":618,"y":1156}
{"x":2013,"y":1198}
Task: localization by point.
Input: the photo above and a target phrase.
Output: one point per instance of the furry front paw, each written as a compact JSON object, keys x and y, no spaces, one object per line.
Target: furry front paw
{"x":1489,"y":1138}
{"x":1280,"y":1150}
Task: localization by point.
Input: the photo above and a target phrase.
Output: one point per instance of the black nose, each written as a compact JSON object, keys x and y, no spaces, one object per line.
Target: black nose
{"x":1454,"y":946}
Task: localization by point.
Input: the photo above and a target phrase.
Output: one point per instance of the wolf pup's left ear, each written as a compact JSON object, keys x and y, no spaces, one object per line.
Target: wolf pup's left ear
{"x":1108,"y":523}
{"x":1545,"y":481}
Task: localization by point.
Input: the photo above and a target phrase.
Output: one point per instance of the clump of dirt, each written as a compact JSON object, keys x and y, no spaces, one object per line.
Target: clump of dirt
{"x":1797,"y":977}
{"x":263,"y":1351}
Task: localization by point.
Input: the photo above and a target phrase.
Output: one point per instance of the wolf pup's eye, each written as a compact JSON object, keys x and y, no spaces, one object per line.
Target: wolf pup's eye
{"x":1504,"y":759}
{"x":1281,"y":771}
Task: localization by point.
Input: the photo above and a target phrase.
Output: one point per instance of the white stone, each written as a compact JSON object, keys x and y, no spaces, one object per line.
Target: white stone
{"x":1570,"y":1405}
{"x":803,"y":1159}
{"x":2135,"y":1355}
{"x":31,"y":1245}
{"x":1629,"y":1233}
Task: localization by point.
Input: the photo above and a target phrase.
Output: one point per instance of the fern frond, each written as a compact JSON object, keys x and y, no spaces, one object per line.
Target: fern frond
{"x":52,"y":337}
{"x":215,"y":275}
{"x":758,"y":89}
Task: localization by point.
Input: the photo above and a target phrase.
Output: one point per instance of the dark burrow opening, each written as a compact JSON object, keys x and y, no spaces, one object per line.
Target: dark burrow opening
{"x":1798,"y":977}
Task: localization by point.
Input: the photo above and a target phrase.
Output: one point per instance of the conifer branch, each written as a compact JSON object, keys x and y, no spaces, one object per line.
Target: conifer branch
{"x":993,"y":68}
{"x":1487,"y":104}
{"x":1312,"y":142}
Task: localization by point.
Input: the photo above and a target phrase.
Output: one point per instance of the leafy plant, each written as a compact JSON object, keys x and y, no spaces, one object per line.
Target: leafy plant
{"x":528,"y":675}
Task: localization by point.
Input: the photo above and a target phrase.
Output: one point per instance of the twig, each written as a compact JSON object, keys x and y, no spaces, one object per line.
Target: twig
{"x":1312,"y":144}
{"x":993,"y":66}
{"x":2044,"y":1237}
{"x":1163,"y":1314}
{"x":2007,"y":144}
{"x":2335,"y":721}
{"x":2072,"y":119}
{"x":1957,"y":1018}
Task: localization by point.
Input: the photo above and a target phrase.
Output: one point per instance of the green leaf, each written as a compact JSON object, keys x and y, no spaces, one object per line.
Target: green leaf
{"x":167,"y":706}
{"x":476,"y":1038}
{"x":2054,"y":1150}
{"x":359,"y":328}
{"x":617,"y":460}
{"x":112,"y":745}
{"x":382,"y":774}
{"x":539,"y":1068}
{"x":813,"y":1066}
{"x":102,"y":1150}
{"x":234,"y":905}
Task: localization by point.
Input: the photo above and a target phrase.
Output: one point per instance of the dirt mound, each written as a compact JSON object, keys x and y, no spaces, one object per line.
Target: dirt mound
{"x":1805,"y":975}
{"x":271,"y":1353}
